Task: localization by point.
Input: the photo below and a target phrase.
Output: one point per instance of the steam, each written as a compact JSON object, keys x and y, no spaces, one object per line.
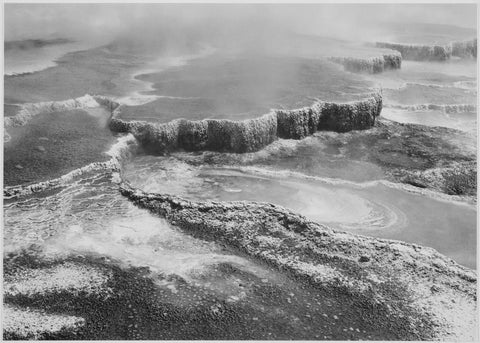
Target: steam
{"x":181,"y":26}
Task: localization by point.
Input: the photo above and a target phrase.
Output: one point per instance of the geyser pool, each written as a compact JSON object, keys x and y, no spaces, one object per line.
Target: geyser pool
{"x":195,"y":280}
{"x":369,"y":208}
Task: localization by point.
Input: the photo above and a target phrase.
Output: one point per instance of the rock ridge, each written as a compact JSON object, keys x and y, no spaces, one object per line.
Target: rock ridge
{"x":373,"y":65}
{"x":415,"y":286}
{"x":419,"y":52}
{"x":117,"y":154}
{"x":251,"y":134}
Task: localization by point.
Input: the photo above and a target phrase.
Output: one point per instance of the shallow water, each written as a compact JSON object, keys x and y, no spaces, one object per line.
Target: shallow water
{"x":412,"y":94}
{"x":243,"y":86}
{"x":140,"y":91}
{"x":446,"y":74}
{"x":90,"y":219}
{"x":424,"y":33}
{"x":368,"y":208}
{"x":419,"y":84}
{"x":55,"y":143}
{"x":19,"y":61}
{"x":466,"y":121}
{"x":342,"y":206}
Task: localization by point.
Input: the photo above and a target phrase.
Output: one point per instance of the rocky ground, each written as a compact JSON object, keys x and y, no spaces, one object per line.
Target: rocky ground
{"x":341,"y":286}
{"x":437,"y":158}
{"x":364,"y":288}
{"x":419,"y":292}
{"x":251,"y":134}
{"x":55,"y":143}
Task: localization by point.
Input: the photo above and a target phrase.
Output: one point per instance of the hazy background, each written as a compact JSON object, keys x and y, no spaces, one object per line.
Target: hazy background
{"x":183,"y":22}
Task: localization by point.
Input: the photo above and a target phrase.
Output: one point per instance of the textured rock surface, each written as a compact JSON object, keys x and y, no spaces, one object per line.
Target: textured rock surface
{"x":358,"y":115}
{"x":458,"y":178}
{"x":418,"y":288}
{"x":448,"y":108}
{"x":436,"y":158}
{"x":371,"y":65}
{"x":22,"y":324}
{"x":465,"y":48}
{"x":27,"y":111}
{"x":417,"y":52}
{"x":74,"y":277}
{"x":117,"y":152}
{"x":420,"y":52}
{"x":252,"y":134}
{"x":33,"y":289}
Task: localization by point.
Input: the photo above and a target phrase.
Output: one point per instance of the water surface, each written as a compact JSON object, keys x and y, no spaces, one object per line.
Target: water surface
{"x":197,"y":283}
{"x":368,"y":208}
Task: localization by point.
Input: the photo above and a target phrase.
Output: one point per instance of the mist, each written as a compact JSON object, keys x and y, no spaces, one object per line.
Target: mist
{"x":178,"y":26}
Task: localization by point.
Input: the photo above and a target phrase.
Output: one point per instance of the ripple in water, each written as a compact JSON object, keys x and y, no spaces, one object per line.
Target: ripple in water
{"x":369,"y":208}
{"x":338,"y":207}
{"x":91,"y":218}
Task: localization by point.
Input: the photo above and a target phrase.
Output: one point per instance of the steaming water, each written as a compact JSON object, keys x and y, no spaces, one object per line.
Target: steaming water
{"x":449,"y":73}
{"x":141,"y":94}
{"x":419,"y":84}
{"x":90,"y":218}
{"x":20,"y":61}
{"x":372,"y":210}
{"x":364,"y":208}
{"x":240,"y":87}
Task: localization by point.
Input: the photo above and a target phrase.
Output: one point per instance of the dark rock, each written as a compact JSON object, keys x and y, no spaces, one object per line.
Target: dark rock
{"x":364,"y":258}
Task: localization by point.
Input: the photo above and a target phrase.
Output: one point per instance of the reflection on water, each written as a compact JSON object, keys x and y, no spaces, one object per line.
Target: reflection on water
{"x":365,"y":208}
{"x":322,"y":203}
